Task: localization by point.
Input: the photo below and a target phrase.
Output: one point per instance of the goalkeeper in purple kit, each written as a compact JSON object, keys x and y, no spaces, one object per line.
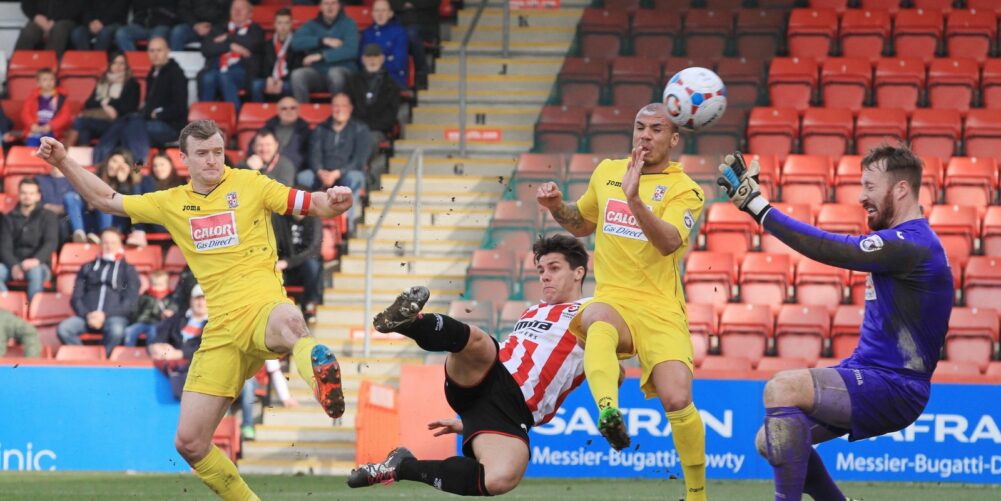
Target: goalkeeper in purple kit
{"x":884,"y":385}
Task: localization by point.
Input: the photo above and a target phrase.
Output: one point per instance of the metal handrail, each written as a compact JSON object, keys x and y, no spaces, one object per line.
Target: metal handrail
{"x":415,"y":161}
{"x":462,"y":75}
{"x":506,"y":33}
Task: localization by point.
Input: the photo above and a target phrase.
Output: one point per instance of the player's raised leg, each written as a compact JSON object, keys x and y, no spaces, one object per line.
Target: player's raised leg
{"x":432,"y":332}
{"x":673,"y":383}
{"x":200,"y":416}
{"x":286,"y":331}
{"x":607,"y":334}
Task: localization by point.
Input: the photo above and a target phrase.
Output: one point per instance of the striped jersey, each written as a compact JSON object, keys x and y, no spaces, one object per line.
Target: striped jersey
{"x":544,"y":358}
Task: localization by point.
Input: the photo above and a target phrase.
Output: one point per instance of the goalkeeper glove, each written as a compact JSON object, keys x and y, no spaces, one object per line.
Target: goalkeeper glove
{"x":740,"y":182}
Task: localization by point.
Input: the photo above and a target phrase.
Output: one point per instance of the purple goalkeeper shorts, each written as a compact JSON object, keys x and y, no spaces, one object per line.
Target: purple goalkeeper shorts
{"x":882,"y":401}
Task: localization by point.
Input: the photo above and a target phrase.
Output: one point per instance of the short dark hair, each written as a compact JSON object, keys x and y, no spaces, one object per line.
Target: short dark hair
{"x":28,"y":180}
{"x":900,"y":162}
{"x":284,"y":11}
{"x":199,"y":129}
{"x":570,"y":247}
{"x":265,"y":132}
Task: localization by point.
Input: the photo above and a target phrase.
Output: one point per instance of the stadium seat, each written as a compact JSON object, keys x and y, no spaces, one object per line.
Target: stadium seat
{"x":892,"y":6}
{"x":842,"y":218}
{"x":726,"y":363}
{"x":899,"y":83}
{"x":971,"y":181}
{"x":224,"y":114}
{"x":73,"y":255}
{"x":252,"y":118}
{"x":993,"y":369}
{"x":982,"y":282}
{"x":22,"y":160}
{"x":800,"y":331}
{"x":21,"y":70}
{"x":603,"y":32}
{"x":478,"y":313}
{"x":982,"y":135}
{"x":702,"y":326}
{"x":768,"y":173}
{"x":73,"y":352}
{"x":970,"y":33}
{"x":227,"y":435}
{"x":581,"y":80}
{"x":845,"y":329}
{"x":931,"y":181}
{"x":917,"y":33}
{"x":772,"y":131}
{"x":264,"y":16}
{"x":315,"y":113}
{"x":129,"y":353}
{"x":952,"y":83}
{"x":534,"y":169}
{"x":945,"y":6}
{"x":744,"y":79}
{"x":806,"y":179}
{"x":709,"y":278}
{"x":825,"y":362}
{"x":782,"y":363}
{"x":812,"y":32}
{"x":857,"y":281}
{"x":818,"y":284}
{"x":827,"y":131}
{"x":765,"y":279}
{"x":12,"y":109}
{"x":878,"y":125}
{"x":726,"y":134}
{"x":303,"y":13}
{"x":361,"y":14}
{"x":839,"y":6}
{"x":985,"y":5}
{"x":936,"y":132}
{"x":509,"y":316}
{"x":864,"y":32}
{"x":610,"y":130}
{"x":635,"y":81}
{"x":140,"y":66}
{"x":791,"y":81}
{"x":744,"y":329}
{"x":729,"y":229}
{"x":759,"y":33}
{"x":491,"y":276}
{"x":948,"y":367}
{"x":957,"y":227}
{"x":847,"y":179}
{"x":991,"y":93}
{"x":990,"y":237}
{"x":174,"y":262}
{"x":769,"y":243}
{"x":15,"y":302}
{"x":144,"y":259}
{"x":845,"y":82}
{"x":79,"y":71}
{"x":579,"y":172}
{"x":560,"y":129}
{"x":706,"y":32}
{"x":656,"y":35}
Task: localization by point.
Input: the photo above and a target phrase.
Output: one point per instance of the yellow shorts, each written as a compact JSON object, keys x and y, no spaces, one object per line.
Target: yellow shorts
{"x":232,"y":350}
{"x":659,"y":335}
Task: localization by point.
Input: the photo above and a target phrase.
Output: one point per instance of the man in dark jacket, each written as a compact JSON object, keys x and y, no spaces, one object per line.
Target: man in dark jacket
{"x":104,"y":297}
{"x":28,"y":237}
{"x":197,"y":17}
{"x":299,"y":239}
{"x":279,"y":60}
{"x":330,"y":43}
{"x":292,"y":133}
{"x":268,"y":160}
{"x":376,"y":100}
{"x":50,"y":21}
{"x":161,"y":118}
{"x":232,"y":53}
{"x":420,"y":18}
{"x":178,"y":338}
{"x":150,"y":18}
{"x":101,"y":18}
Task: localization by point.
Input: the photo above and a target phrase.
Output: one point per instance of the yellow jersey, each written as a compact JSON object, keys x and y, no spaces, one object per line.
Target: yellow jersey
{"x":626,"y":264}
{"x":225,"y":235}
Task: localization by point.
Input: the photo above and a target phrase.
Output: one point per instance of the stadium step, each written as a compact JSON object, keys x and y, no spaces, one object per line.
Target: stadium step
{"x":432,"y":199}
{"x":438,"y":165}
{"x":477,"y":116}
{"x":383,"y":296}
{"x":448,"y":132}
{"x":486,"y":96}
{"x":442,"y":184}
{"x":391,"y":247}
{"x":552,"y":34}
{"x":308,"y":466}
{"x":331,"y":451}
{"x":432,"y":217}
{"x":480,"y":82}
{"x":406,"y":265}
{"x":406,"y":231}
{"x":474,"y":147}
{"x":493,"y":16}
{"x":305,"y":433}
{"x":501,"y":66}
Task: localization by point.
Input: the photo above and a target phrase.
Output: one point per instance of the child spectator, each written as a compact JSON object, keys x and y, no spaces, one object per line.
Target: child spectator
{"x":154,"y":307}
{"x":115,"y":96}
{"x":45,"y":112}
{"x":279,"y":61}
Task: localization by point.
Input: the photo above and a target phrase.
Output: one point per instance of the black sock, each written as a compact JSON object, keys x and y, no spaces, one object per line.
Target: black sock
{"x":436,"y":332}
{"x":458,"y":475}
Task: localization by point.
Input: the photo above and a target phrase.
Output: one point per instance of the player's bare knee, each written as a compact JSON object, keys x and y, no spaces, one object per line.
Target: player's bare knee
{"x":784,"y":390}
{"x":479,"y":345}
{"x":501,"y":483}
{"x":190,"y":447}
{"x":675,"y":400}
{"x":761,"y":443}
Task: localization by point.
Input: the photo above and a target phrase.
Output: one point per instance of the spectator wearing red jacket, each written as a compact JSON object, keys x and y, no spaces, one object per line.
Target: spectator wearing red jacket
{"x":45,"y":112}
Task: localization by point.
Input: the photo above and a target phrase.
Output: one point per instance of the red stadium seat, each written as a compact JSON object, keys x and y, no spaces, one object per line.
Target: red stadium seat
{"x":899,"y":83}
{"x":824,"y":362}
{"x":701,"y":326}
{"x":889,"y":5}
{"x":653,"y":36}
{"x":71,"y":352}
{"x":848,"y":179}
{"x":971,"y":181}
{"x":129,"y":353}
{"x":49,"y":308}
{"x":510,"y":314}
{"x":533,"y":169}
{"x":769,"y":243}
{"x":791,"y":81}
{"x":952,"y":83}
{"x":806,"y":179}
{"x":603,"y":31}
{"x":845,"y":330}
{"x":303,"y":13}
{"x":361,"y":14}
{"x":800,"y":331}
{"x":945,"y":6}
{"x":478,"y":313}
{"x":582,"y":79}
{"x":709,"y":278}
{"x":560,"y":129}
{"x":252,"y":118}
{"x":12,"y":109}
{"x":744,"y":79}
{"x":864,"y":32}
{"x":970,"y":33}
{"x":818,"y":284}
{"x":827,"y":131}
{"x":315,"y":113}
{"x":845,"y":82}
{"x":79,"y":71}
{"x":635,"y":81}
{"x":957,"y":227}
{"x":744,"y":329}
{"x":726,"y":363}
{"x":972,"y":335}
{"x":842,"y":218}
{"x":222,"y":112}
{"x":983,"y":134}
{"x":982,"y":281}
{"x":22,"y":160}
{"x":706,"y":32}
{"x":579,"y":172}
{"x":878,"y":125}
{"x":936,"y":132}
{"x":782,"y":363}
{"x":759,"y":33}
{"x":772,"y":131}
{"x":765,"y":279}
{"x":991,"y":235}
{"x":993,"y":369}
{"x":15,"y":302}
{"x":917,"y":33}
{"x":726,"y":134}
{"x":610,"y":129}
{"x":931,"y":181}
{"x":144,"y":259}
{"x":491,"y":275}
{"x":140,"y":66}
{"x":991,"y":93}
{"x":768,"y":174}
{"x":729,"y":229}
{"x":985,"y":5}
{"x":949,"y":367}
{"x":264,"y":15}
{"x":74,"y":255}
{"x":174,"y":262}
{"x":812,"y":32}
{"x":21,"y":70}
{"x":838,"y":5}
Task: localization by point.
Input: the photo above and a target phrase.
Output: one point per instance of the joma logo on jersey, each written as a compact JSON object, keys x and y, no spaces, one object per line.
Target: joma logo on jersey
{"x":188,"y":208}
{"x":214,"y":232}
{"x":613,"y":183}
{"x":619,"y":220}
{"x":533,"y":324}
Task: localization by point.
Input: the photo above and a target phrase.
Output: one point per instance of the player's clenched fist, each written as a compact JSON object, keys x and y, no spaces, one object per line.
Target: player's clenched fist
{"x":52,"y":151}
{"x":339,"y":198}
{"x":549,"y":195}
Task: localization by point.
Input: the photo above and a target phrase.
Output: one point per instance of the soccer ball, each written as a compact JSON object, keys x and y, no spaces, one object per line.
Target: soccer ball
{"x":695,"y":98}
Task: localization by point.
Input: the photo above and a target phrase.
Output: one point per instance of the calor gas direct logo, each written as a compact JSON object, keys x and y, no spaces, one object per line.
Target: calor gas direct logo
{"x":214,"y":232}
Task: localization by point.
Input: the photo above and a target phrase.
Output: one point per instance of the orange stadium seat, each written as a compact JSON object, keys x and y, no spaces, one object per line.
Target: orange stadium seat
{"x":982,"y":281}
{"x":726,"y":134}
{"x":845,"y":82}
{"x":970,"y":33}
{"x":224,"y":114}
{"x":744,"y":329}
{"x":972,"y":335}
{"x":991,"y":93}
{"x":765,"y":279}
{"x":71,"y":352}
{"x":899,"y":83}
{"x":491,"y":275}
{"x":510,"y":314}
{"x":129,"y":353}
{"x":49,"y":308}
{"x":848,"y":179}
{"x":941,"y":5}
{"x":729,"y":229}
{"x":827,"y":131}
{"x":759,"y":32}
{"x":800,"y":331}
{"x":983,"y":134}
{"x":21,"y":71}
{"x":991,"y":235}
{"x":534,"y":169}
{"x":709,"y":278}
{"x":952,"y":83}
{"x":806,"y":179}
{"x":478,"y":313}
{"x":917,"y":33}
{"x":931,"y":181}
{"x":744,"y":79}
{"x":635,"y":81}
{"x":579,"y":172}
{"x":771,"y":244}
{"x":603,"y":32}
{"x":993,"y":369}
{"x":856,"y":286}
{"x":772,"y":131}
{"x":985,"y":5}
{"x":936,"y":132}
{"x":845,"y":329}
{"x":812,"y":32}
{"x":957,"y":227}
{"x":725,"y":363}
{"x":864,"y":32}
{"x":768,"y":173}
{"x":140,"y":66}
{"x":560,"y":129}
{"x":702,"y":326}
{"x":839,"y":6}
{"x":79,"y":71}
{"x":889,"y":5}
{"x":781,"y":363}
{"x":73,"y":255}
{"x":818,"y":284}
{"x":654,"y":36}
{"x":878,"y":125}
{"x":12,"y":109}
{"x":791,"y":81}
{"x":22,"y":160}
{"x":361,"y":14}
{"x":15,"y":302}
{"x":842,"y":218}
{"x":144,"y":259}
{"x":949,"y":367}
{"x":707,"y":31}
{"x":971,"y":181}
{"x":315,"y":113}
{"x":582,"y":79}
{"x":610,"y":129}
{"x":252,"y":117}
{"x":174,"y":262}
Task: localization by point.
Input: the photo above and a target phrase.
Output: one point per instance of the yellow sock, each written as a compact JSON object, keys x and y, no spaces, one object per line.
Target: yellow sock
{"x":220,"y":475}
{"x":302,"y":353}
{"x":690,"y":441}
{"x":601,"y":365}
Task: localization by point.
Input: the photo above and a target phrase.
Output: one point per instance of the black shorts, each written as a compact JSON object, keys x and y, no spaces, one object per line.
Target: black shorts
{"x":495,"y":405}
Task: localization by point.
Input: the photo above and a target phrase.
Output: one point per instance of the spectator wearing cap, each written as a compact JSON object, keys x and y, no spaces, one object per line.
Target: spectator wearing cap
{"x":376,"y":100}
{"x":278,"y":61}
{"x":330,"y":42}
{"x":392,"y":37}
{"x":178,"y":338}
{"x":231,"y":53}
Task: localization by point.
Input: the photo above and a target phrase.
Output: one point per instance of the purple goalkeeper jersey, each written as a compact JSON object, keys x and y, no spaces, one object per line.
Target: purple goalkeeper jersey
{"x":909,"y":290}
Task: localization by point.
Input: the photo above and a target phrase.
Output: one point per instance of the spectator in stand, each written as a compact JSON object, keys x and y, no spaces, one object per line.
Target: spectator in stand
{"x":273,"y":369}
{"x":25,"y":334}
{"x":29,"y":235}
{"x":298,"y":239}
{"x":119,"y":172}
{"x":161,"y":118}
{"x":87,"y":222}
{"x":392,"y":37}
{"x":376,"y":100}
{"x":162,"y":176}
{"x":178,"y":338}
{"x":45,"y":112}
{"x":104,"y":296}
{"x":231,"y":53}
{"x":115,"y":96}
{"x":181,"y":297}
{"x":268,"y":160}
{"x":197,"y":17}
{"x":49,"y":21}
{"x":154,"y":306}
{"x":330,"y":42}
{"x":292,"y":132}
{"x":150,"y":18}
{"x":278,"y":62}
{"x":338,"y":151}
{"x":420,"y":18}
{"x":55,"y":188}
{"x":101,"y":19}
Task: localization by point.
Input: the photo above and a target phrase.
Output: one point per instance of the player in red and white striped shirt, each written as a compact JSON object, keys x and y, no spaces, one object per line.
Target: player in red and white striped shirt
{"x":498,"y":391}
